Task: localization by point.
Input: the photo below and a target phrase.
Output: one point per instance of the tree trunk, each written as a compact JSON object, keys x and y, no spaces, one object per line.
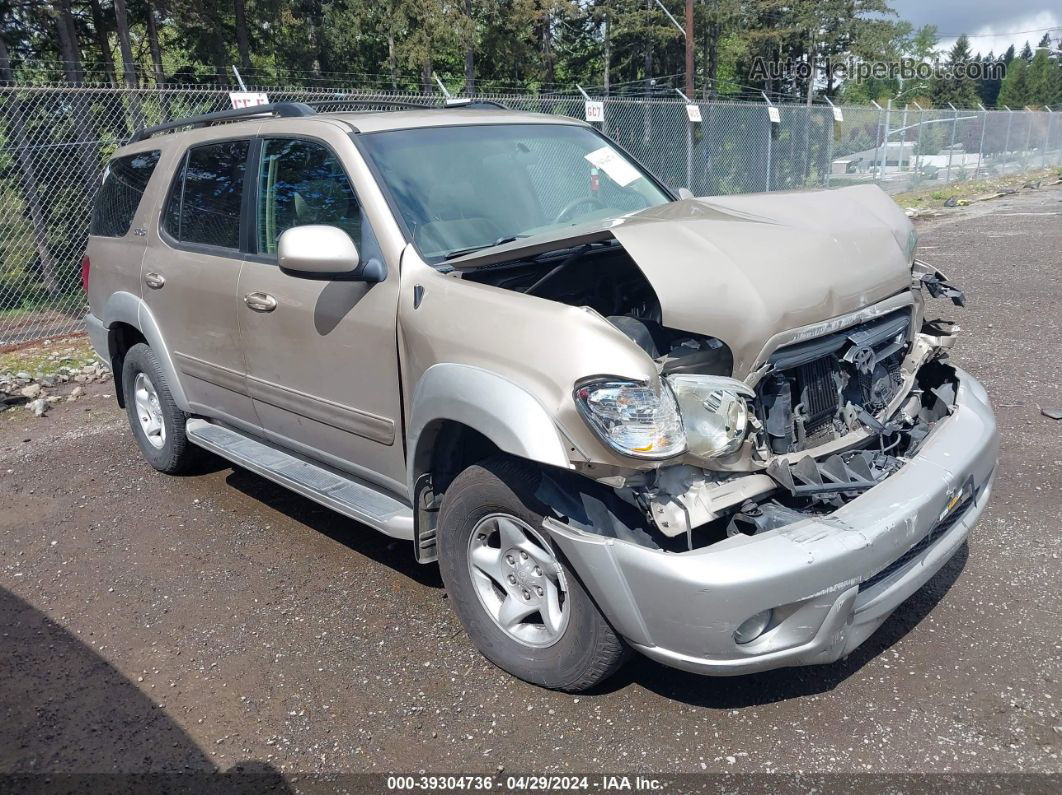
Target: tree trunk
{"x":69,"y":50}
{"x":121,"y":16}
{"x":813,"y":57}
{"x":547,"y":45}
{"x":712,"y":55}
{"x":101,"y":29}
{"x":608,"y":50}
{"x":648,"y":48}
{"x":470,"y":52}
{"x":243,"y":36}
{"x":28,"y":179}
{"x":153,"y":44}
{"x":392,"y":65}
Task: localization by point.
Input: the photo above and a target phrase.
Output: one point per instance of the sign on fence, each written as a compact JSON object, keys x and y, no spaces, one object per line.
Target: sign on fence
{"x":837,"y":115}
{"x":693,"y":112}
{"x":247,"y":99}
{"x":774,"y":115}
{"x":594,"y":110}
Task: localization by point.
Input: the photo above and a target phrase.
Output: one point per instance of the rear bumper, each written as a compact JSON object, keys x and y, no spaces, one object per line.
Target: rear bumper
{"x":831,"y":581}
{"x":97,"y":334}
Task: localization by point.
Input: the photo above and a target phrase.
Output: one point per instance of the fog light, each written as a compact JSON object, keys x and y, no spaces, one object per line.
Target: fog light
{"x":752,"y":628}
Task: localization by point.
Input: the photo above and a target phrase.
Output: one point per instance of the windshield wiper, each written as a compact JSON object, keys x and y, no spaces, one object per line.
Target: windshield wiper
{"x":460,"y":252}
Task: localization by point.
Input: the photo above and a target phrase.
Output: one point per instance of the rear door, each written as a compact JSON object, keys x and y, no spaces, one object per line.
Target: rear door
{"x":190,"y":273}
{"x":322,"y":358}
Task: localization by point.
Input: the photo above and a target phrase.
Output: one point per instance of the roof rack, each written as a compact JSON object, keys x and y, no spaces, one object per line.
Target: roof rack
{"x":279,"y":109}
{"x":295,"y":109}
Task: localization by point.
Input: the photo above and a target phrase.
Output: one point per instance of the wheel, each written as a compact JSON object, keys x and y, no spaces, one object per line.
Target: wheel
{"x":157,"y":423}
{"x":519,"y":601}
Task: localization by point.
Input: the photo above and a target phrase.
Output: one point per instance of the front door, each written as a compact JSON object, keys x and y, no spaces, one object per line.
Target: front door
{"x":190,"y":271}
{"x":322,"y":362}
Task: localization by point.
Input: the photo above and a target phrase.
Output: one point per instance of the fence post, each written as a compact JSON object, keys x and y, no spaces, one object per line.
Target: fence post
{"x":903,"y":140}
{"x":770,"y":135}
{"x":1028,"y":139}
{"x":885,"y":140}
{"x":951,"y":148}
{"x":1006,"y":141}
{"x":829,"y":142}
{"x":981,"y":146}
{"x":689,"y":140}
{"x":1047,"y":137}
{"x":918,"y":157}
{"x":877,"y":140}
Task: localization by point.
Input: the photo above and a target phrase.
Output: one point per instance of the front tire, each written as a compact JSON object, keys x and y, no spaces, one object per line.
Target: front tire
{"x":154,"y":418}
{"x":517,"y":598}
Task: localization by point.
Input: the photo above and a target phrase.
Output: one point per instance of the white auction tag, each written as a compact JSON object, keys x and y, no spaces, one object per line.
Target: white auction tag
{"x":837,"y":115}
{"x":618,"y":170}
{"x":774,"y":115}
{"x":594,"y":110}
{"x":693,"y":112}
{"x":248,"y":99}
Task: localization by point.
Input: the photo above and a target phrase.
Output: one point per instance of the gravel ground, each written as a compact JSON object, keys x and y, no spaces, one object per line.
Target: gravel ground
{"x":152,"y":623}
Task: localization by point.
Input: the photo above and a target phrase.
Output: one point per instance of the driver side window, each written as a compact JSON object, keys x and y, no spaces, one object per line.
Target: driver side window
{"x":300,"y":183}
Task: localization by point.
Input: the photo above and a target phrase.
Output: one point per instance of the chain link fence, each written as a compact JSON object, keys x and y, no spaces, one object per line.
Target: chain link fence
{"x":55,"y":140}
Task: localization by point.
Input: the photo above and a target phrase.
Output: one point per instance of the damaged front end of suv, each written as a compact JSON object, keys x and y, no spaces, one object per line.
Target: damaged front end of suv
{"x":802,"y":456}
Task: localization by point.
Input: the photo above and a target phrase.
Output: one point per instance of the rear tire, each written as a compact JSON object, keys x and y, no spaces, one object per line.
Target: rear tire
{"x":154,"y":418}
{"x":516,"y":596}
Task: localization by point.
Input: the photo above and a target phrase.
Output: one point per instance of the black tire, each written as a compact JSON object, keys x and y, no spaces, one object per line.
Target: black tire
{"x":588,"y":650}
{"x":177,"y":454}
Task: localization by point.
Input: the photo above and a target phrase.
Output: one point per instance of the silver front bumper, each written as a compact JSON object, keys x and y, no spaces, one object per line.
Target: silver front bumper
{"x":682,"y":609}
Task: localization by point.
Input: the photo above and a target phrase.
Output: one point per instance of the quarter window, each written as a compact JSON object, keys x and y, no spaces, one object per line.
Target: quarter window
{"x":204,"y":204}
{"x":124,"y":183}
{"x":301,"y":182}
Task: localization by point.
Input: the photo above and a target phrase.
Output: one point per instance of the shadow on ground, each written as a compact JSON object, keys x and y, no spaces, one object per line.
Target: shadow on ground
{"x":66,"y":712}
{"x":364,"y":540}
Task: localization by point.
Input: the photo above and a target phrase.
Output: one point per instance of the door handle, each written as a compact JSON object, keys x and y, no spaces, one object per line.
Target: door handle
{"x":154,"y":280}
{"x":260,"y":302}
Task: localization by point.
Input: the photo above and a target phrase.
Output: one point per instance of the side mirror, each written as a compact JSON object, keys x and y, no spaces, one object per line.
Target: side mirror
{"x":325,"y":252}
{"x":685,"y":193}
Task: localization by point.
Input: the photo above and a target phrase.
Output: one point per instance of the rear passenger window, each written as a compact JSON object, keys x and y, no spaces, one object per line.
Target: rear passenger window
{"x":204,"y":203}
{"x":124,"y":183}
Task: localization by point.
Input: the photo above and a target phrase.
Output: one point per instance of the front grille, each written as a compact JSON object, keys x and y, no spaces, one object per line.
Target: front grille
{"x":927,"y":541}
{"x":802,"y":403}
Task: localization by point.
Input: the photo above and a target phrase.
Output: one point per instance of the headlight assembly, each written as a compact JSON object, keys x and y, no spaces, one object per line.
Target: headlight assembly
{"x":633,"y":418}
{"x":714,"y":410}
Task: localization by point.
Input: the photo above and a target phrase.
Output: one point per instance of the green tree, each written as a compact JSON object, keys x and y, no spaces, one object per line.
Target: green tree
{"x":955,"y":86}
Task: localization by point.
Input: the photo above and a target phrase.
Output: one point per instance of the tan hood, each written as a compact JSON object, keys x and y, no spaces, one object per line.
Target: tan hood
{"x":744,"y":268}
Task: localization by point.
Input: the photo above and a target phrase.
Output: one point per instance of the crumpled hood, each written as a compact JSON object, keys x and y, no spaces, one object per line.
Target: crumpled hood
{"x":744,"y":268}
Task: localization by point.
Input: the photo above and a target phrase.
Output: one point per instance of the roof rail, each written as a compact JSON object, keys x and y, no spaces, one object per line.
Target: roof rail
{"x":368,"y":102}
{"x":280,"y":109}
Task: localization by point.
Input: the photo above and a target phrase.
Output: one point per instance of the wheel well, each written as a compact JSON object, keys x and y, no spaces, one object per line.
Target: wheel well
{"x":120,"y":339}
{"x":447,"y":448}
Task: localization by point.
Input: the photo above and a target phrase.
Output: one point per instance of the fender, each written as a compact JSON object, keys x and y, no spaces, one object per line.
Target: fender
{"x":499,"y":409}
{"x":124,"y":307}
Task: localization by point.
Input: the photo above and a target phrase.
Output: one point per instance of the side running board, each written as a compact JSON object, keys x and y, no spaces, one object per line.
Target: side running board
{"x":339,"y":491}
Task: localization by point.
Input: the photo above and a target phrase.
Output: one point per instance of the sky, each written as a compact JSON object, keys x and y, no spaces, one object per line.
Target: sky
{"x":991,"y":24}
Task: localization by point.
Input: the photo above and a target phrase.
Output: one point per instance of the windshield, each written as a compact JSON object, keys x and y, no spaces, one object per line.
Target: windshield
{"x":459,"y":189}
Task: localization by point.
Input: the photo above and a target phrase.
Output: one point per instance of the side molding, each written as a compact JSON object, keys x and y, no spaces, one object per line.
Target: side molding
{"x":486,"y":402}
{"x":123,"y":307}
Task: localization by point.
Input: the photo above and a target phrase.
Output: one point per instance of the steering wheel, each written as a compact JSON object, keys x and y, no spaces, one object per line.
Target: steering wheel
{"x":579,"y":202}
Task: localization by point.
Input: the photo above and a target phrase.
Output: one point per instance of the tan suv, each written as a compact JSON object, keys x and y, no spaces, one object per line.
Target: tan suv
{"x":718,"y":431}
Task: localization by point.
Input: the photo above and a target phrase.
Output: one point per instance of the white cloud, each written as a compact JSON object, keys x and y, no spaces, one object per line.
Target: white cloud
{"x":1016,"y":30}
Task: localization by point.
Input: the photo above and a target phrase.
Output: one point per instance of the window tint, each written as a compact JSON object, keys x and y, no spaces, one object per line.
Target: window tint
{"x":124,"y":183}
{"x":300,"y":183}
{"x":204,"y":204}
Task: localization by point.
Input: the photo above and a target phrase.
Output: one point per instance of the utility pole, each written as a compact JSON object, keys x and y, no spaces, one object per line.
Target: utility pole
{"x":689,"y":48}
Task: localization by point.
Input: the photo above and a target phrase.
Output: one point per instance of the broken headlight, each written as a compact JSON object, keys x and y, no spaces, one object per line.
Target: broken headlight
{"x":633,"y":418}
{"x":715,"y":412}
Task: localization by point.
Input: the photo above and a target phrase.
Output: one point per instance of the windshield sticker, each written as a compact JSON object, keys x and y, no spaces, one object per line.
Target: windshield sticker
{"x":618,"y":170}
